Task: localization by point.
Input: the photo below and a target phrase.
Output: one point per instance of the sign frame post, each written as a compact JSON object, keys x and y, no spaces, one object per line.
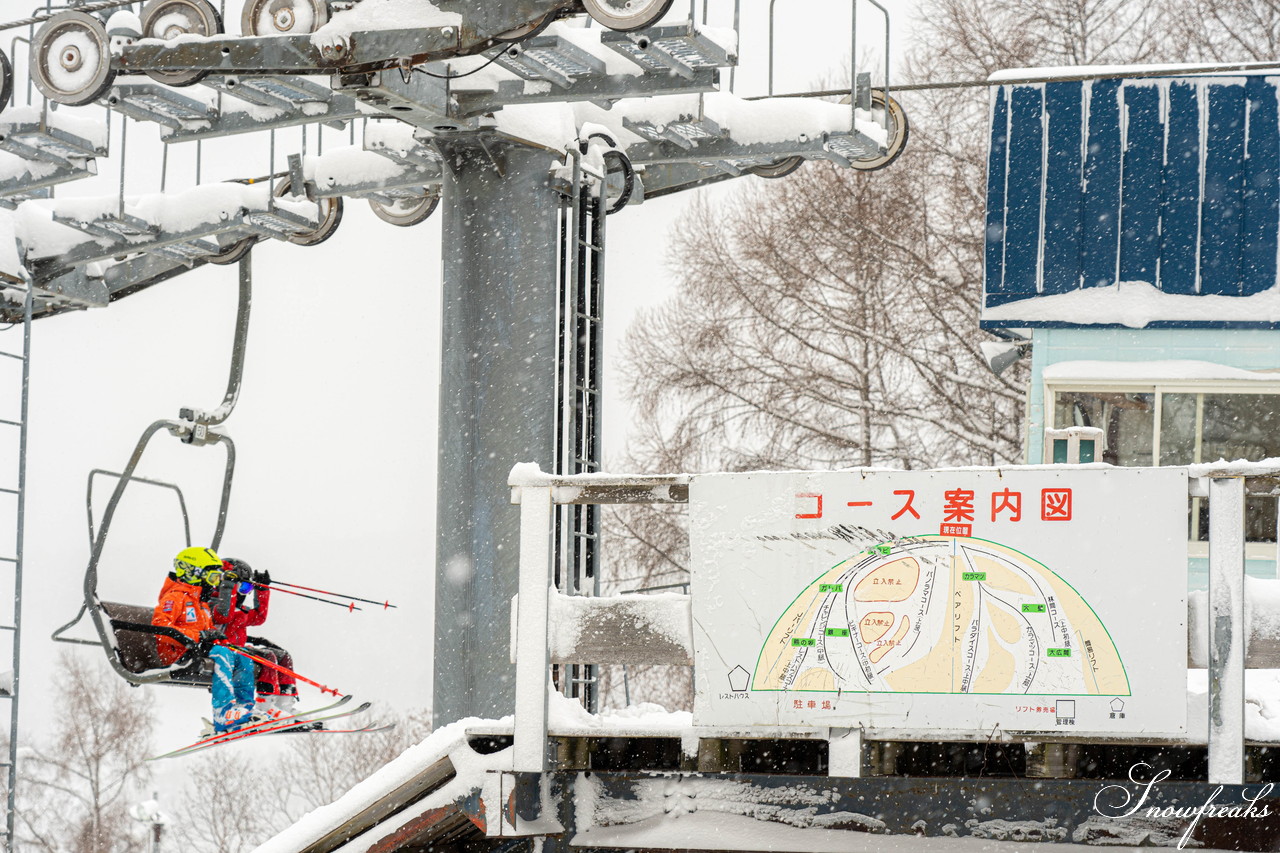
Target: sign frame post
{"x":1226,"y":643}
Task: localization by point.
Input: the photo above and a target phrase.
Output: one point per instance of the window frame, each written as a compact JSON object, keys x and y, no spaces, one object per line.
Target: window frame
{"x":1158,"y":388}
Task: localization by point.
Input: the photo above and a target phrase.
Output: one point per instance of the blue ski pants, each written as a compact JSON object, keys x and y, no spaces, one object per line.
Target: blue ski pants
{"x":232,"y":688}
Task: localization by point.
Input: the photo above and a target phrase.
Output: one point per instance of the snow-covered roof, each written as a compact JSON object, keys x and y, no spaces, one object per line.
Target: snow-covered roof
{"x":443,"y":767}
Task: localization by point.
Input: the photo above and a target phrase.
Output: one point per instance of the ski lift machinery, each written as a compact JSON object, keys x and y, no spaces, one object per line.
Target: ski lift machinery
{"x":277,"y":63}
{"x":124,"y":630}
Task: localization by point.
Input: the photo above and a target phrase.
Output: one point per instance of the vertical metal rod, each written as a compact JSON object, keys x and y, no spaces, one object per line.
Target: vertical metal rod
{"x":17,"y":566}
{"x":164,"y":167}
{"x":532,"y":659}
{"x":124,"y":158}
{"x":737,"y":28}
{"x":885,"y":12}
{"x":886,"y":68}
{"x":199,"y":158}
{"x":853,"y":68}
{"x":1227,"y":637}
{"x":772,"y":3}
{"x":271,"y":171}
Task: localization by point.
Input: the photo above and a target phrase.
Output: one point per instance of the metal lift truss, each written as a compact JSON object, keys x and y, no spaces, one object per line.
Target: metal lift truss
{"x":653,"y":91}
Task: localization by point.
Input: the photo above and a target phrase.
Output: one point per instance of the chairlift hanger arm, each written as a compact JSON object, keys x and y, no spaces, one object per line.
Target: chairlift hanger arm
{"x":236,"y":372}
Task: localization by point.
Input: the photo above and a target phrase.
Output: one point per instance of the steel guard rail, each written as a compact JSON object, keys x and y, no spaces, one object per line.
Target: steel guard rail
{"x":537,"y":494}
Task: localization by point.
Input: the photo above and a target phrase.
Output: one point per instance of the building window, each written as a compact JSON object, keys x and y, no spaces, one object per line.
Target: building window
{"x":1182,"y":426}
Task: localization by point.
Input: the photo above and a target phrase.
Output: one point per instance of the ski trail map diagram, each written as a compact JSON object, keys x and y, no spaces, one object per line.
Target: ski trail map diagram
{"x":941,"y":615}
{"x":1045,"y":599}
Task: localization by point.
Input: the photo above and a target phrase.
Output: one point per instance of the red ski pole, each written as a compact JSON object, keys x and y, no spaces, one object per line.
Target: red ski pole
{"x":348,"y":607}
{"x":251,"y":656}
{"x":385,"y":604}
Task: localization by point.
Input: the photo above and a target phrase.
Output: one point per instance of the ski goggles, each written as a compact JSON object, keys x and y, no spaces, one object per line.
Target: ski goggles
{"x":213,"y":577}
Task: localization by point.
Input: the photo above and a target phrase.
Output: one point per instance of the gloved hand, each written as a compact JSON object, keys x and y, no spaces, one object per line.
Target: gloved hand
{"x":262,"y":578}
{"x":210,"y":636}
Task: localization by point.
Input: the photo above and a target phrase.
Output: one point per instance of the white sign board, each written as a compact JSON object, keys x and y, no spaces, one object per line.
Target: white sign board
{"x":1033,"y":599}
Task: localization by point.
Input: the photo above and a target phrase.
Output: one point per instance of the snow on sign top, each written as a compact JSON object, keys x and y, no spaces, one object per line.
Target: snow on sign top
{"x":1031,"y":600}
{"x":1132,"y":202}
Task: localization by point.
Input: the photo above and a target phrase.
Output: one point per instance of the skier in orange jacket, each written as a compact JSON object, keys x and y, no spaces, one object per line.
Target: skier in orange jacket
{"x":180,"y":605}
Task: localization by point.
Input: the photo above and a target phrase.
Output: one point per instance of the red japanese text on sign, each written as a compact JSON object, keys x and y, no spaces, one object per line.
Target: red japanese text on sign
{"x":906,"y":507}
{"x":959,"y":505}
{"x":1009,"y":501}
{"x":1055,"y":505}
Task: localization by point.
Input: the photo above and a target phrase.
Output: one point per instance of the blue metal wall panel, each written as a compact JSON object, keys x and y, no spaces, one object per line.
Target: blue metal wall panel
{"x":996,"y":171}
{"x":1222,"y":205}
{"x":1261,"y":189}
{"x":1101,"y":239}
{"x":1164,"y":183}
{"x":1180,"y":211}
{"x":1063,"y":188}
{"x":1022,"y":204}
{"x":1140,"y":190}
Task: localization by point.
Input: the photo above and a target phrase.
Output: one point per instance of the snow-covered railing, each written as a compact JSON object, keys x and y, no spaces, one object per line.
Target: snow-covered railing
{"x":537,"y":493}
{"x":580,"y":627}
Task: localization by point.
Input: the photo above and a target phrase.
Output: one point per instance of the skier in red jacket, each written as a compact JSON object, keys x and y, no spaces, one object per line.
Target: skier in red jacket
{"x":277,"y":690}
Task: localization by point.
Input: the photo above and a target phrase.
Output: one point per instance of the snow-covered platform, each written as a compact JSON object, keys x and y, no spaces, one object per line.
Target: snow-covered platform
{"x":639,"y":780}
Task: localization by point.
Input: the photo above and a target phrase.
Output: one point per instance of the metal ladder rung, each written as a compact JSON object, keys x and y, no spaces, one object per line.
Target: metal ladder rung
{"x":9,"y":491}
{"x":11,"y":355}
{"x":553,"y":59}
{"x":8,"y":559}
{"x":8,"y":628}
{"x":37,"y":143}
{"x":680,"y":48}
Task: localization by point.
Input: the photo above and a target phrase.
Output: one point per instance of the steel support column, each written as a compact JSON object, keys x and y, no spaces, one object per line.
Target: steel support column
{"x":497,"y":405}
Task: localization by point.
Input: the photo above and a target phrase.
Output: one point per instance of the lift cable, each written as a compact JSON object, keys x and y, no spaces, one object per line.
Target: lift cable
{"x":475,"y":70}
{"x":1107,"y":73}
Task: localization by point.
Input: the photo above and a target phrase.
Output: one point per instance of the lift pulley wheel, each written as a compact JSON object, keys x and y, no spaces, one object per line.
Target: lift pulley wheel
{"x":6,"y":81}
{"x":627,"y":15}
{"x":71,"y":59}
{"x":234,"y":252}
{"x":404,"y":212}
{"x":778,"y":169}
{"x":168,"y":19}
{"x":330,"y":218}
{"x":283,"y":17}
{"x":899,"y":131}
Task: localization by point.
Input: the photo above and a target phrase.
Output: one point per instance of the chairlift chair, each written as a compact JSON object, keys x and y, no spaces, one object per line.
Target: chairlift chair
{"x":124,"y":630}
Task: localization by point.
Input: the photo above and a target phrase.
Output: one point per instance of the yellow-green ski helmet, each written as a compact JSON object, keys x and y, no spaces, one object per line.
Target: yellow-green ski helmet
{"x":191,"y":564}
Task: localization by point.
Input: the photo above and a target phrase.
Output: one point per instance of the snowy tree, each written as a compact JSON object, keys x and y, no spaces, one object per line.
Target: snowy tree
{"x":245,"y":800}
{"x":75,"y":788}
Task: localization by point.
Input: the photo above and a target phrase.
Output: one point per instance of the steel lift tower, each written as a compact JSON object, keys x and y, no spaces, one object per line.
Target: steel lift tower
{"x":531,"y":120}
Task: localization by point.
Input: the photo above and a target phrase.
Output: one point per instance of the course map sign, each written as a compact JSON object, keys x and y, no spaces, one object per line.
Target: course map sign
{"x":1032,"y":599}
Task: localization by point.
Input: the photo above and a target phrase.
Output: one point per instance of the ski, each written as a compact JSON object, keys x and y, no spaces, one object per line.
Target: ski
{"x":270,"y":727}
{"x":218,"y":737}
{"x":361,"y":731}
